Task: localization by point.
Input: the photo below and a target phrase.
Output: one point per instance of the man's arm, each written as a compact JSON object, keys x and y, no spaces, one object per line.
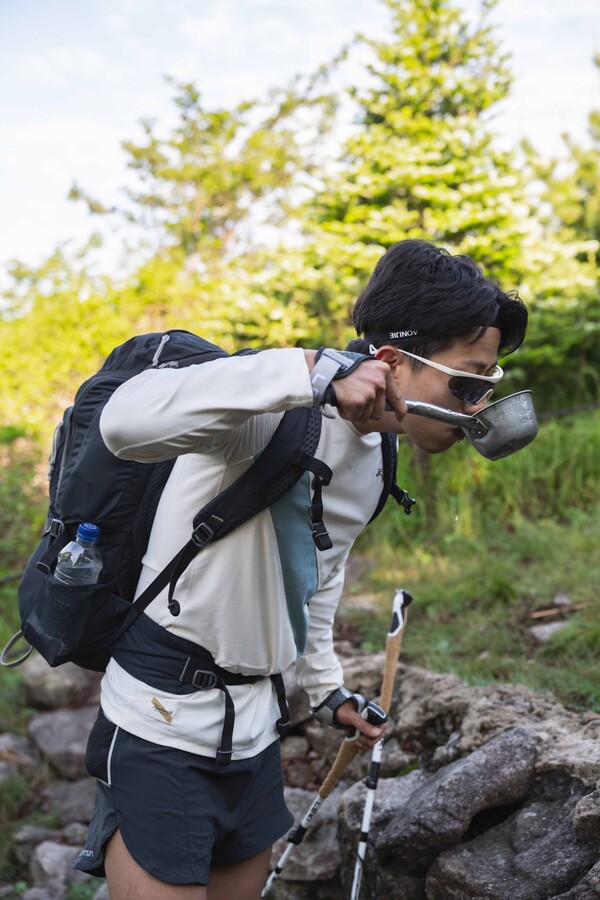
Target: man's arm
{"x":319,"y":671}
{"x":163,"y":413}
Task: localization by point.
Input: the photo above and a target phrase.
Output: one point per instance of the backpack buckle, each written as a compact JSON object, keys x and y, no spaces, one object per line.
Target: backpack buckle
{"x":321,"y":536}
{"x":203,"y":680}
{"x":202,"y":535}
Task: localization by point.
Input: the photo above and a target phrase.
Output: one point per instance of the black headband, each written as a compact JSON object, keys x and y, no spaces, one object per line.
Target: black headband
{"x":389,"y":335}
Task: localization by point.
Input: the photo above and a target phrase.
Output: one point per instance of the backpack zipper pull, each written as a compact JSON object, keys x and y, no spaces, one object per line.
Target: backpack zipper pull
{"x":156,"y":357}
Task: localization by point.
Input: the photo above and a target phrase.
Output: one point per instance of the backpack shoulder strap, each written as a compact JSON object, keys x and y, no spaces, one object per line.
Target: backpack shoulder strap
{"x":289,"y":453}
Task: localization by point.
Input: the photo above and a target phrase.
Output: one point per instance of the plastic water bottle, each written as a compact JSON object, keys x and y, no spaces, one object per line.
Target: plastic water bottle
{"x":80,"y":561}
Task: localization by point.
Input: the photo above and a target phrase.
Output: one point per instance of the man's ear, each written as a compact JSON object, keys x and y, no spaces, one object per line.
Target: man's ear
{"x":388,"y":354}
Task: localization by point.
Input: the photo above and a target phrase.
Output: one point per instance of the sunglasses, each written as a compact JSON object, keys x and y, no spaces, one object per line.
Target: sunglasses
{"x":466,"y":386}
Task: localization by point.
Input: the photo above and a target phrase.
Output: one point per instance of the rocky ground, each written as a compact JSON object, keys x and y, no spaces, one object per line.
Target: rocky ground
{"x":485,"y":793}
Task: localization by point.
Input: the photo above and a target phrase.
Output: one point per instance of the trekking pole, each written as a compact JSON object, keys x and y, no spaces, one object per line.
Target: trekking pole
{"x":392,"y":653}
{"x":348,"y":749}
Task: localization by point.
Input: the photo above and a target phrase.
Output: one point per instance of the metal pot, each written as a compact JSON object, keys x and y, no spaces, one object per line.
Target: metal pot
{"x":498,"y":430}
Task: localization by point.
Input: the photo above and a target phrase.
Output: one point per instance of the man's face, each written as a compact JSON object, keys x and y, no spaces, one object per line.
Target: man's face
{"x":429,"y":385}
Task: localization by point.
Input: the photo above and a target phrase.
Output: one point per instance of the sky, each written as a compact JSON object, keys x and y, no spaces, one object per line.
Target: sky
{"x":76,"y":77}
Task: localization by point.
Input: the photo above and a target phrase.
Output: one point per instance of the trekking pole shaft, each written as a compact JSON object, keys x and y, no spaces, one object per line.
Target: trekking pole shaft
{"x":392,"y":653}
{"x":296,"y":836}
{"x":348,"y":750}
{"x":366,"y":821}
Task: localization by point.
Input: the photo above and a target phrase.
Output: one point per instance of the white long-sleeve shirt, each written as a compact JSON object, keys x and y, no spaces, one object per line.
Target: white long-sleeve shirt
{"x":263,"y":596}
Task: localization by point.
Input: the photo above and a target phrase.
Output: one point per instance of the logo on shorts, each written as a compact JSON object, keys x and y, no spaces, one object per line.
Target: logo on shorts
{"x":86,"y":852}
{"x":165,"y":713}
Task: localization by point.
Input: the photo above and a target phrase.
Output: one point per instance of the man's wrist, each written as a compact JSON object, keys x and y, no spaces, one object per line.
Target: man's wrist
{"x":328,"y":366}
{"x":325,"y":712}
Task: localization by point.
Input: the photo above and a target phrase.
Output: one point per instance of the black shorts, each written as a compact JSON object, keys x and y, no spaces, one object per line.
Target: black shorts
{"x":180,"y":814}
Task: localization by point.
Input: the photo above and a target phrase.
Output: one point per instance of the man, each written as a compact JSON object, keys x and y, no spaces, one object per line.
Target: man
{"x":170,"y":819}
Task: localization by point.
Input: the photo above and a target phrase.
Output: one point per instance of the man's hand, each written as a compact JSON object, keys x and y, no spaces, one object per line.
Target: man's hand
{"x":347,"y":715}
{"x":362,"y":394}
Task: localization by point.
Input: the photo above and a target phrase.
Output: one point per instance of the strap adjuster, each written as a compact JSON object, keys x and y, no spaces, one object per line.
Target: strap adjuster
{"x":223,"y":757}
{"x":57,"y":526}
{"x":204,"y":680}
{"x":283,"y":726}
{"x":202,"y":535}
{"x":321,"y":536}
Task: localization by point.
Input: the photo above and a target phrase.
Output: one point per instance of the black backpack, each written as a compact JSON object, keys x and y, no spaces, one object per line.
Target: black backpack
{"x":88,"y":483}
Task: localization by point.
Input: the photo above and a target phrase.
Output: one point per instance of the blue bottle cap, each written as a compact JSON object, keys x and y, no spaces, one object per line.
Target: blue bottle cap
{"x":88,"y":532}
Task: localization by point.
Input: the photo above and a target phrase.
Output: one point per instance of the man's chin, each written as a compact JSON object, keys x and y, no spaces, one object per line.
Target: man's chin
{"x":442,"y":443}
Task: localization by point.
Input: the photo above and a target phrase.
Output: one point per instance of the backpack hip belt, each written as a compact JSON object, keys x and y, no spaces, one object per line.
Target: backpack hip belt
{"x":162,"y":660}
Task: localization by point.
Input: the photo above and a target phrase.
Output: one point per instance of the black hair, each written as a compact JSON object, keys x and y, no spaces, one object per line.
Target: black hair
{"x":421,"y":288}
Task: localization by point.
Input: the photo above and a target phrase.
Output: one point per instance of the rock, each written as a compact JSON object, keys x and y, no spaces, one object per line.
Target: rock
{"x":48,"y":688}
{"x":431,"y":708}
{"x":50,"y":865}
{"x":74,"y":834}
{"x":572,"y":746}
{"x":61,"y":736}
{"x":48,"y":892}
{"x":428,"y":707}
{"x":363,"y":673}
{"x":28,"y":837}
{"x":294,"y":747}
{"x":73,"y":801}
{"x":291,"y":890}
{"x":421,"y":814}
{"x":317,"y":858}
{"x":326,"y":741}
{"x":378,"y":881}
{"x":532,"y":855}
{"x":441,"y":809}
{"x":586,"y":820}
{"x":394,"y":760}
{"x":17,"y":751}
{"x":299,"y":773}
{"x":494,"y":709}
{"x":587,"y":889}
{"x":543,"y":633}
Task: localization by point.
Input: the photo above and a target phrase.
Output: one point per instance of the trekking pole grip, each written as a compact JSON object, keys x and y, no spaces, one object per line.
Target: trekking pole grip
{"x":393,"y":644}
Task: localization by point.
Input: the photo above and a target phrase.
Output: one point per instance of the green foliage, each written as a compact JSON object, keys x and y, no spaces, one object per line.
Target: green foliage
{"x":564,"y":346}
{"x":83,"y":891}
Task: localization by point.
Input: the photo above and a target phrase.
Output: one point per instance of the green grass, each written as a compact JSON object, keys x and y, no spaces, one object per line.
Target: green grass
{"x":474,"y":600}
{"x":19,"y":806}
{"x":486,"y":546}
